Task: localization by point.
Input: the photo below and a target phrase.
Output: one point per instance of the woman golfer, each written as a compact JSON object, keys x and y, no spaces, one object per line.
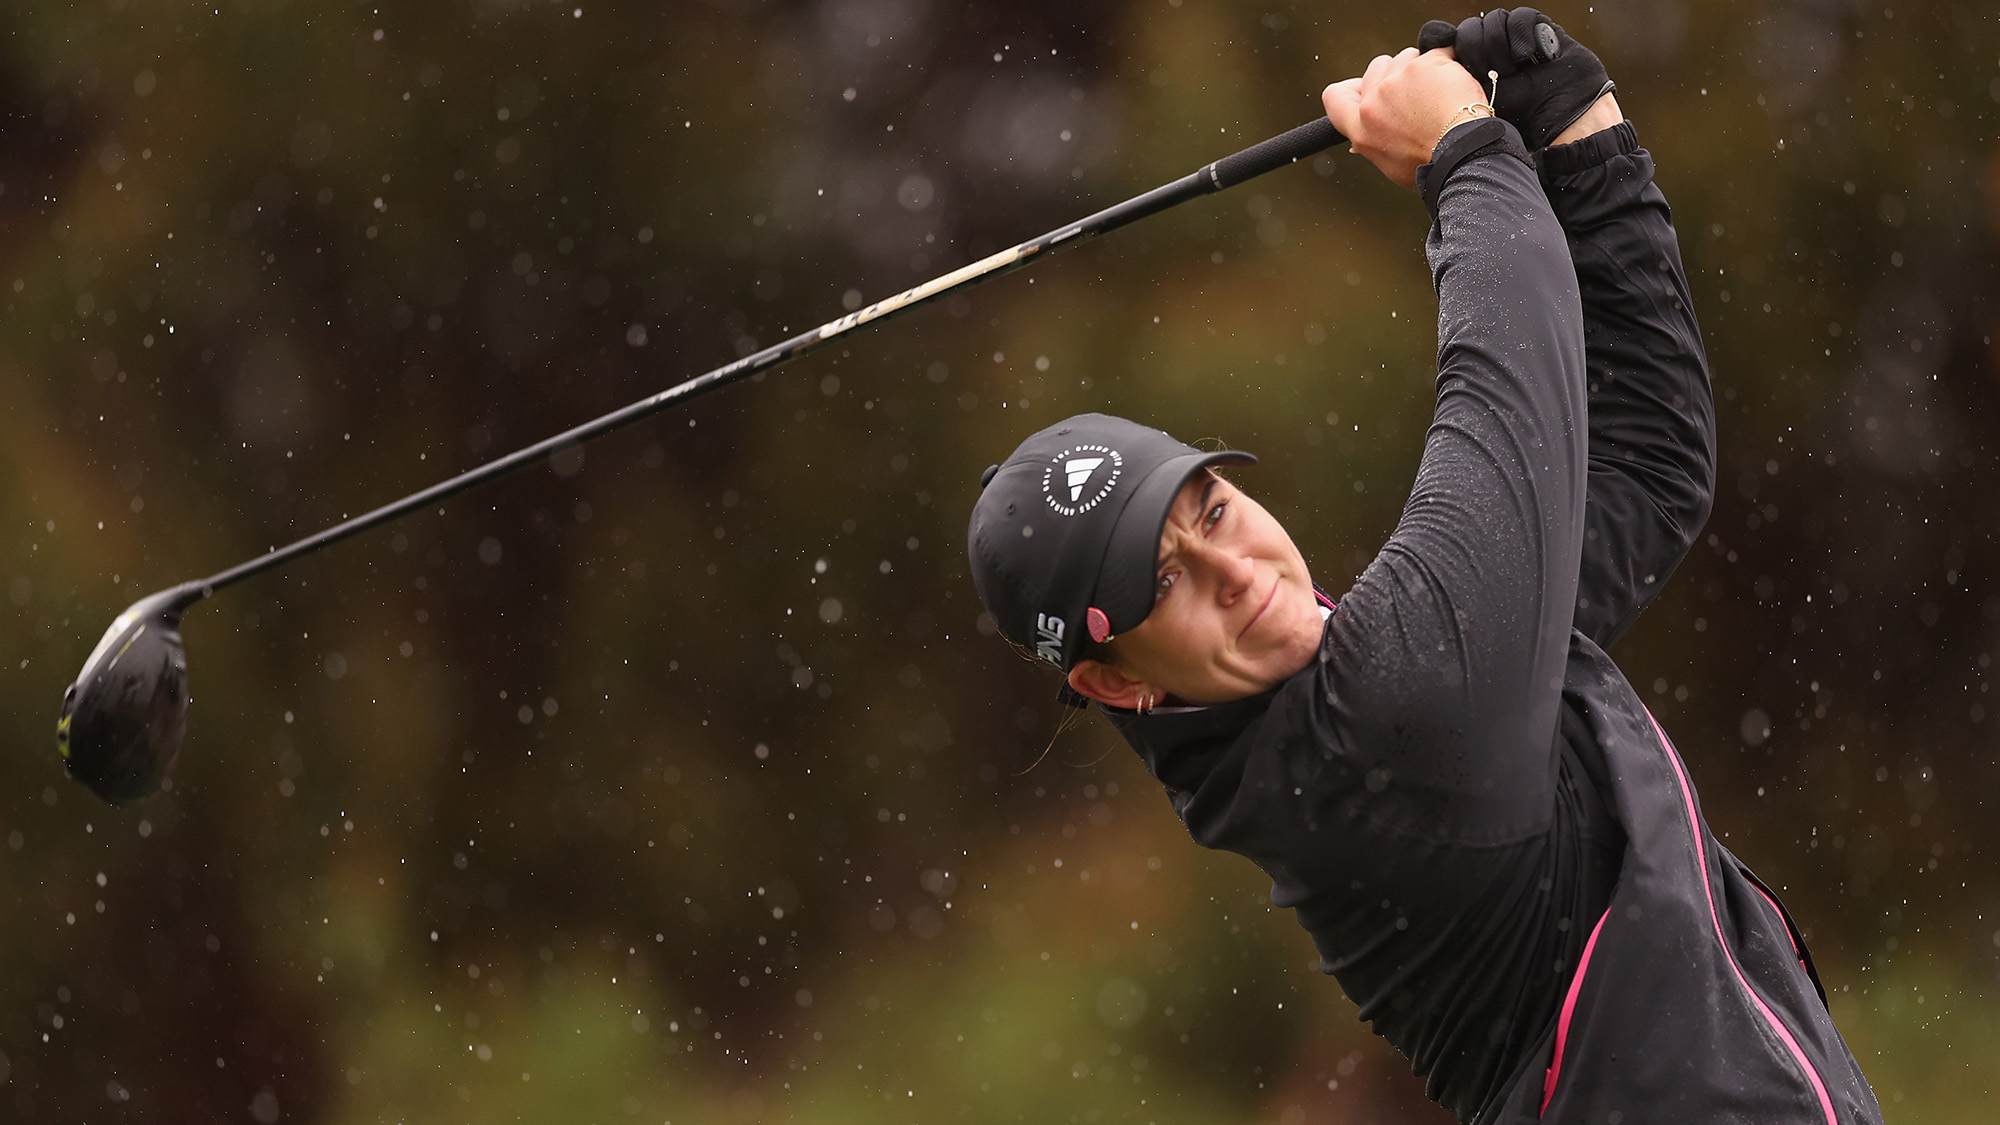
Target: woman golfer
{"x":1494,"y":846}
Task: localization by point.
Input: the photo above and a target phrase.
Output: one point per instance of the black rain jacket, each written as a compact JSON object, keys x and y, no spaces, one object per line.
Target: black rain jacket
{"x":1494,"y":846}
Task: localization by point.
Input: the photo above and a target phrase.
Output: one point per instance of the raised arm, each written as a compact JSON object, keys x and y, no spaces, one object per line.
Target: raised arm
{"x":1450,"y":647}
{"x":1652,"y":423}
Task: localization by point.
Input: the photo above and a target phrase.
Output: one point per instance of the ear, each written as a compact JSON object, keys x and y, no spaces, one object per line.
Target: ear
{"x":1094,"y":679}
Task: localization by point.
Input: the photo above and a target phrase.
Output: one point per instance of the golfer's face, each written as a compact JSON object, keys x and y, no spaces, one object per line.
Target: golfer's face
{"x":1235,"y":612}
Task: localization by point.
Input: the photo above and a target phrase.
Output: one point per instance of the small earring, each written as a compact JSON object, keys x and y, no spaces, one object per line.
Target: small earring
{"x":1146,"y":703}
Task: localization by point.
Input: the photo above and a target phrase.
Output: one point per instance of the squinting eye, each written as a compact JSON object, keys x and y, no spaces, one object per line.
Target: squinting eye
{"x":1215,"y":513}
{"x":1165,"y":583}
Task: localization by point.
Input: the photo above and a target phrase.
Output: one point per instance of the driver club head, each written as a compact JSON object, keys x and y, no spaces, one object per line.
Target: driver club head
{"x":122,"y":720}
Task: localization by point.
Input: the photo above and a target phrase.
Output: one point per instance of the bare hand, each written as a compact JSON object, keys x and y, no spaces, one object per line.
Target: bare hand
{"x":1396,"y":113}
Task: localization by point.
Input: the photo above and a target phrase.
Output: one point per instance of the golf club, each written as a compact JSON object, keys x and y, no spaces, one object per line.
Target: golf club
{"x":123,"y":719}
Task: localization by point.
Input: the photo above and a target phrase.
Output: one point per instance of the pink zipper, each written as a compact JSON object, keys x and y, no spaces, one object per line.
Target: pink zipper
{"x":1701,"y":859}
{"x":1568,"y":1009}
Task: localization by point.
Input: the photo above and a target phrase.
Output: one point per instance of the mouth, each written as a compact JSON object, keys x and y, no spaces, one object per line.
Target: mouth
{"x":1270,"y":596}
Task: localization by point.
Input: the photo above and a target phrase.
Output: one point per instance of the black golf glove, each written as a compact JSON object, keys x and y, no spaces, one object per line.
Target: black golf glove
{"x":1546,"y":80}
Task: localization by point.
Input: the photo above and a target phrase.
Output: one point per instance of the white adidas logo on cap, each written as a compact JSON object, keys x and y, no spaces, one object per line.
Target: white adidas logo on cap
{"x":1079,"y":464}
{"x":1079,"y":471}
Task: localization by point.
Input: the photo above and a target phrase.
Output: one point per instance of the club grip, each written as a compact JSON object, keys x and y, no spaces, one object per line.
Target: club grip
{"x":1312,"y":137}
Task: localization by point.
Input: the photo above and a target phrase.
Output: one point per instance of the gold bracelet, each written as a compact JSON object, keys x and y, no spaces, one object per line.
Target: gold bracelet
{"x":1470,"y":112}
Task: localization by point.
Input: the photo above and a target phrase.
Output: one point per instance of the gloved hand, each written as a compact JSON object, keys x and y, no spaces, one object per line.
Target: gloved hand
{"x":1546,"y":80}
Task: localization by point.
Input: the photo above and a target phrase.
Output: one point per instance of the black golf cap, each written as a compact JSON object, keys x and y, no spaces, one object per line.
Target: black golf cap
{"x":1065,"y":539}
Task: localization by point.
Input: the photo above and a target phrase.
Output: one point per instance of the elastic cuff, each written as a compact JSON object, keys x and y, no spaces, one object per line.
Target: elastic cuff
{"x":1473,"y":138}
{"x":1557,"y":161}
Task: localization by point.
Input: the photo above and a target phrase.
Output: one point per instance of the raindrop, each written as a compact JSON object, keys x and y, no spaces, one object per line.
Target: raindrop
{"x":915,"y":192}
{"x":567,"y":461}
{"x":1121,"y":1003}
{"x":1755,"y":727}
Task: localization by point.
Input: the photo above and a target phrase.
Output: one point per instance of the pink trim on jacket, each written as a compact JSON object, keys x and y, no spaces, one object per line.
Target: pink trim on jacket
{"x":1701,"y":858}
{"x":1569,"y":1008}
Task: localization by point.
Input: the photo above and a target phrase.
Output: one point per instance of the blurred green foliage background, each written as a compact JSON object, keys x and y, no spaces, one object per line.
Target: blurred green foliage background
{"x":681,"y":781}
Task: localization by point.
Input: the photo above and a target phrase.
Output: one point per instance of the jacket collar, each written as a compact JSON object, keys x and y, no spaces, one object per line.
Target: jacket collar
{"x":1181,"y":745}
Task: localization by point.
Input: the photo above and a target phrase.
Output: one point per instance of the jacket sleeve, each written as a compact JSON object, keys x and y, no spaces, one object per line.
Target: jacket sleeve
{"x":1652,"y":421}
{"x":1440,"y":674}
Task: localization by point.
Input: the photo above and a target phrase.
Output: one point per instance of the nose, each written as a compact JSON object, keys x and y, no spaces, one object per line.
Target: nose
{"x":1232,"y":573}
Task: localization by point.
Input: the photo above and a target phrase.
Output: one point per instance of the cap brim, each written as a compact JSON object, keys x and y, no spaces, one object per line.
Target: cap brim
{"x":1124,"y":588}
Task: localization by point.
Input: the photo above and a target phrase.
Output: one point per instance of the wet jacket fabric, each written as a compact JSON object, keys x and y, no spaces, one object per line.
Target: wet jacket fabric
{"x":1495,"y":848}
